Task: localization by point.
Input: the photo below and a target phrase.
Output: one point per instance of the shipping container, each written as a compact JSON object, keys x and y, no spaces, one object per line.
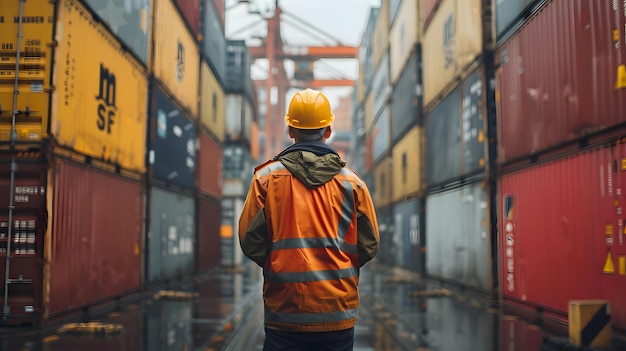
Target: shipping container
{"x":408,"y":163}
{"x":404,"y":35}
{"x":239,"y":119}
{"x":511,"y":14}
{"x":212,"y":103}
{"x":406,"y":100}
{"x":377,"y":145}
{"x":131,"y":21}
{"x":366,"y":59}
{"x":97,"y":237}
{"x":429,"y":7}
{"x":409,"y":236}
{"x":562,"y":235}
{"x":171,"y":238}
{"x":176,"y":57}
{"x":190,"y":10}
{"x":381,"y":87}
{"x":394,"y":7}
{"x":384,"y":214}
{"x":31,"y":123}
{"x":458,"y":237}
{"x":455,"y":134}
{"x":209,"y":239}
{"x":99,"y":105}
{"x":254,"y":143}
{"x":383,"y":183}
{"x":230,"y":251}
{"x":213,"y":39}
{"x":25,"y":240}
{"x":550,"y":94}
{"x":220,"y":9}
{"x":451,"y":44}
{"x":209,"y":166}
{"x":368,"y":110}
{"x":237,"y":78}
{"x":172,"y":155}
{"x":380,"y":35}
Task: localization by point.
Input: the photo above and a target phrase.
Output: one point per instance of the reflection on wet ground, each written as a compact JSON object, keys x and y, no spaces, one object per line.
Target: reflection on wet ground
{"x":222,"y":310}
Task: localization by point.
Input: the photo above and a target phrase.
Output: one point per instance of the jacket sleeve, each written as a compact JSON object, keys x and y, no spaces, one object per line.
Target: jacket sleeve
{"x":368,"y":237}
{"x":253,"y":237}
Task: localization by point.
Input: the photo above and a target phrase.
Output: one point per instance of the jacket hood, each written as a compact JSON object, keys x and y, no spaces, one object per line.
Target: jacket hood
{"x":313,"y":163}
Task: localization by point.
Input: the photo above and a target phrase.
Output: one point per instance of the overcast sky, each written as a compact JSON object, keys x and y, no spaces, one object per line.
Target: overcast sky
{"x":332,"y":21}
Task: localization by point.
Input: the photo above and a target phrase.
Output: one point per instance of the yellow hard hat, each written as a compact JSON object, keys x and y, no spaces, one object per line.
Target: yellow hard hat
{"x":309,"y":109}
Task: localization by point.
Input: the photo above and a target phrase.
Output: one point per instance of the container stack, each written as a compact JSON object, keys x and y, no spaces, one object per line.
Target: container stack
{"x":561,"y":87}
{"x":100,"y":135}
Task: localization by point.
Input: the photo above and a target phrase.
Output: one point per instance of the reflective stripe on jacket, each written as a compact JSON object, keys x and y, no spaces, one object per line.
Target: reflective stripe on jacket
{"x":311,"y":241}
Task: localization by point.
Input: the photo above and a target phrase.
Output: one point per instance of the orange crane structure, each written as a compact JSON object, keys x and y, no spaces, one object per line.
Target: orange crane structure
{"x":276,"y":51}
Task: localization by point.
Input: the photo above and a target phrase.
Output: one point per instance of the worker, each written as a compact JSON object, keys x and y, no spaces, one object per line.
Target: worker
{"x":309,"y":221}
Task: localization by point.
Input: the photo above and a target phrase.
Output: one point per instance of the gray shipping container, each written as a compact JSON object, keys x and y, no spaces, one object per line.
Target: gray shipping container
{"x":408,"y":235}
{"x":510,"y":15}
{"x":171,"y":236}
{"x":406,"y":100}
{"x":129,"y":20}
{"x":457,"y":236}
{"x":214,"y":40}
{"x":172,"y":153}
{"x":237,"y":79}
{"x":455,"y":134}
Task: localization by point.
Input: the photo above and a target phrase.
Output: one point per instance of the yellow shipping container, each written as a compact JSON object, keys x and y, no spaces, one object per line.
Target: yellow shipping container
{"x":452,"y":42}
{"x":369,"y":110}
{"x":99,"y":105}
{"x":34,"y":68}
{"x":380,"y":36}
{"x":212,"y":102}
{"x":383,"y":183}
{"x":407,"y":165}
{"x":403,"y":36}
{"x":176,"y":58}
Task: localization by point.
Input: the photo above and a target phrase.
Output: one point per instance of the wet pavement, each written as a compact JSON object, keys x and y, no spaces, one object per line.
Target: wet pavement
{"x":222,"y":310}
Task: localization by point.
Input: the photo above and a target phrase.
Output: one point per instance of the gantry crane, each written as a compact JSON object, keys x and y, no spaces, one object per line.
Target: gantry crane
{"x":275,"y":50}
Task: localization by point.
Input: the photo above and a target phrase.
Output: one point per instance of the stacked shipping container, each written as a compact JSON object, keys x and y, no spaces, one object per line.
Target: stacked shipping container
{"x":70,"y":181}
{"x":561,"y":116}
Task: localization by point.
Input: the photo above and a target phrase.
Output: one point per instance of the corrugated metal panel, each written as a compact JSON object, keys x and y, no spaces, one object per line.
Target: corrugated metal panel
{"x":407,"y":165}
{"x":209,"y":166}
{"x":455,"y":134}
{"x":406,"y":106}
{"x":551,"y":93}
{"x":176,"y":58}
{"x":509,"y":12}
{"x":380,"y":136}
{"x":557,"y":244}
{"x":451,"y":43}
{"x":172,"y":143}
{"x":27,"y":234}
{"x":213,"y":39}
{"x":129,"y":20}
{"x":380,"y":35}
{"x":383,"y":183}
{"x":408,"y":235}
{"x":99,"y":106}
{"x":190,"y":10}
{"x":403,"y":37}
{"x":34,"y":75}
{"x":238,"y":118}
{"x":238,"y":60}
{"x":209,"y":223}
{"x":97,"y":226}
{"x":457,"y":236}
{"x":381,"y":89}
{"x":172,"y":235}
{"x":212,"y":106}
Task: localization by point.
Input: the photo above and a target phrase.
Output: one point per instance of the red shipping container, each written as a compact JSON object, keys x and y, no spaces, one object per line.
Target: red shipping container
{"x":209,"y":166}
{"x":561,"y":77}
{"x":562,"y":232}
{"x":190,"y":10}
{"x":209,"y":222}
{"x":96,"y":241}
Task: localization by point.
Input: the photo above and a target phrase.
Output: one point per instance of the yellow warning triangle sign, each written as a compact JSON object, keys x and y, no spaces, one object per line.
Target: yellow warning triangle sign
{"x":609,"y":267}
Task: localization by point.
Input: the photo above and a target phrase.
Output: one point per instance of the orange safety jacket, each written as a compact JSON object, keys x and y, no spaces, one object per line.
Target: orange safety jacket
{"x":310,"y":223}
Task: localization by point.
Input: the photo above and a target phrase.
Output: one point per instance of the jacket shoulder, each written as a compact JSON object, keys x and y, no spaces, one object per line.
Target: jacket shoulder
{"x":268,"y":167}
